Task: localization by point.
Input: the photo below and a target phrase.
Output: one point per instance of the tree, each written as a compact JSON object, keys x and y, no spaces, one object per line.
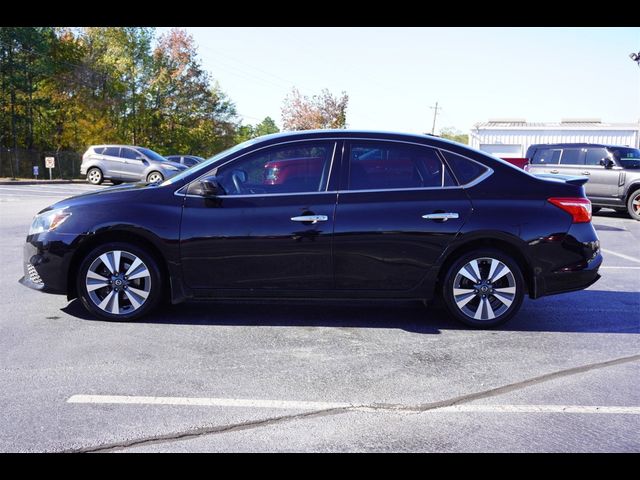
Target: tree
{"x":265,"y":127}
{"x":451,"y":133}
{"x":300,"y":112}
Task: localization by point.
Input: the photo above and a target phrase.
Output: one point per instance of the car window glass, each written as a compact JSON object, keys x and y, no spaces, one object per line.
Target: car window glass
{"x":188,"y":161}
{"x":594,"y":155}
{"x":572,"y":156}
{"x":291,"y":168}
{"x":386,"y":165}
{"x":111,"y":151}
{"x":464,"y":169}
{"x":129,"y":153}
{"x":98,"y":150}
{"x":546,"y":156}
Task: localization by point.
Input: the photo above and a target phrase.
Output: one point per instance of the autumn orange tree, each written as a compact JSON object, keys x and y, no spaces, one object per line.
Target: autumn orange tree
{"x":300,"y":112}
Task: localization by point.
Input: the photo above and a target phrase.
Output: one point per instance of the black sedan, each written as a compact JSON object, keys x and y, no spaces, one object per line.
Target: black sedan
{"x":329,"y":214}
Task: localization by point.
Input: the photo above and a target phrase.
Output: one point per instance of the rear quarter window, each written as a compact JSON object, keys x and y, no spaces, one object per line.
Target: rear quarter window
{"x":464,"y":169}
{"x":98,"y":150}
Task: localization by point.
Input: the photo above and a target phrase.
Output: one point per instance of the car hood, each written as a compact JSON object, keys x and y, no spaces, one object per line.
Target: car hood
{"x":126,"y":192}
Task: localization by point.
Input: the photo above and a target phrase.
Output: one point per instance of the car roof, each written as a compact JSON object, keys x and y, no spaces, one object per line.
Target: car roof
{"x":116,"y":145}
{"x":596,"y":145}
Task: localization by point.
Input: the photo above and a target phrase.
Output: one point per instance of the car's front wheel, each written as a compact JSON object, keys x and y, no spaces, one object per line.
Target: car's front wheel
{"x":119,"y":281}
{"x":155,"y":177}
{"x":633,"y":205}
{"x":483,"y":288}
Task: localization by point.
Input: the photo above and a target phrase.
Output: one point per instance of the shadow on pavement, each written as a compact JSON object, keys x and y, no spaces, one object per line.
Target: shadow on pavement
{"x":587,"y":311}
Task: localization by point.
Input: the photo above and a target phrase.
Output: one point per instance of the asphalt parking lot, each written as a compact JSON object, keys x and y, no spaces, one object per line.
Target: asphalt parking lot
{"x":561,"y":377}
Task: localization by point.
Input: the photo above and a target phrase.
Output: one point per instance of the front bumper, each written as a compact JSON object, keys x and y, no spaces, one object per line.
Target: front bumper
{"x":46,"y":261}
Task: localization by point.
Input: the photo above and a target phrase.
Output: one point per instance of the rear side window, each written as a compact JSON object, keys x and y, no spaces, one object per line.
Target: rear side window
{"x":572,"y":156}
{"x":376,"y":165}
{"x":112,"y":151}
{"x":594,"y":155}
{"x":464,"y":169}
{"x":546,"y":156}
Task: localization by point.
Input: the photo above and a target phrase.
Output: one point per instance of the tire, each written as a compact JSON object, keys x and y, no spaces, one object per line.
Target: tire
{"x":126,"y":294}
{"x":95,"y":176}
{"x":633,"y":205}
{"x":480,"y":309}
{"x":155,"y":177}
{"x":595,"y":209}
{"x":116,"y":182}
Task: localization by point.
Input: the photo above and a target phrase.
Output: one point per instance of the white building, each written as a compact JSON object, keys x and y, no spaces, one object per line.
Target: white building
{"x":510,"y":138}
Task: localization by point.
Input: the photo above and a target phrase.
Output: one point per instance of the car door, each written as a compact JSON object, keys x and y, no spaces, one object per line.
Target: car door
{"x":266,"y":232}
{"x":398,"y":209}
{"x":114,"y":165}
{"x":603,"y":182}
{"x":571,"y":162}
{"x":545,"y":160}
{"x":134,"y":163}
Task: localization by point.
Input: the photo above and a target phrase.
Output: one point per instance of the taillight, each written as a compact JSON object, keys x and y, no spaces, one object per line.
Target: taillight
{"x":579,"y":208}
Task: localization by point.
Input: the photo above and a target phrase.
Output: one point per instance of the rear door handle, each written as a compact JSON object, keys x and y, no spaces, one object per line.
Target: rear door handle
{"x":310,"y":218}
{"x":444,"y":216}
{"x":586,"y":173}
{"x":554,"y":171}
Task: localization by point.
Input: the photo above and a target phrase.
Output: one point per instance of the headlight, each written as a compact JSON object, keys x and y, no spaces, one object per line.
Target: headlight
{"x":171,"y":167}
{"x":48,"y":221}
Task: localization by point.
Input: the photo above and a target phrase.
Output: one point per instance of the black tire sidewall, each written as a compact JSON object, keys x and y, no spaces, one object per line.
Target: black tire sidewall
{"x":156,"y":281}
{"x":447,"y":288}
{"x":630,"y":209}
{"x":99,"y":171}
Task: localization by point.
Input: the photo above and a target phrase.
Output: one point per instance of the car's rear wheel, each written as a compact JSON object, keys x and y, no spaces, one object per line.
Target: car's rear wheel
{"x":119,"y":281}
{"x":94,"y":176}
{"x":633,"y":205}
{"x":155,"y":177}
{"x":483,"y":288}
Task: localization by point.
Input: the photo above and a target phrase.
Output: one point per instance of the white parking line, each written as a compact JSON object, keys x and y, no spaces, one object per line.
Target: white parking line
{"x":61,"y":191}
{"x":301,"y":405}
{"x":621,"y":255}
{"x":621,"y":268}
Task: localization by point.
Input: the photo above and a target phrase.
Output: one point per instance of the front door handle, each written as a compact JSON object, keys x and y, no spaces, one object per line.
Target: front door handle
{"x":444,"y":216}
{"x":310,"y":218}
{"x":554,"y":171}
{"x":586,"y":173}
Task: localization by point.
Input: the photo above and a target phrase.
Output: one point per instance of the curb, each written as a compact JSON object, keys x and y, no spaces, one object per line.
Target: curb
{"x":39,"y":182}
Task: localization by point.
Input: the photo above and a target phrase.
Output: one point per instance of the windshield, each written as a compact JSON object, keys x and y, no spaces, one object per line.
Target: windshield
{"x":209,"y":163}
{"x":152,"y":155}
{"x":628,"y":157}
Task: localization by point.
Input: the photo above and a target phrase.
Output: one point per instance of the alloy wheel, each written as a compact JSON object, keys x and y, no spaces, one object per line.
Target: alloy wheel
{"x":94,"y":177}
{"x":484,"y":289}
{"x":118,"y":282}
{"x":155,"y":177}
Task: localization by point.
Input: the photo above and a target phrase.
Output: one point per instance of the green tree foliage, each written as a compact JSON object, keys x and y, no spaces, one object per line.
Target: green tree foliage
{"x":451,"y":133}
{"x":299,"y":112}
{"x":67,"y":88}
{"x":265,"y":127}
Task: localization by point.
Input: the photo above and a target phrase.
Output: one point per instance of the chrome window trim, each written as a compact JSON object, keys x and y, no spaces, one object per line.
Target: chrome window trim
{"x":489,"y":171}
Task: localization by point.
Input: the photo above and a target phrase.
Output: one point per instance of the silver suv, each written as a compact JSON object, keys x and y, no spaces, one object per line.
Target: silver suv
{"x":614,"y":172}
{"x":126,"y":163}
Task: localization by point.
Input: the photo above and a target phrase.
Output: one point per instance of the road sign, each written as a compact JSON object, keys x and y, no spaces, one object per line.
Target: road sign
{"x":35,"y":171}
{"x":50,"y":162}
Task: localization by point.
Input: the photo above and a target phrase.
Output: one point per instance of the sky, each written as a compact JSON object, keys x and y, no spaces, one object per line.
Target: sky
{"x":394,"y":75}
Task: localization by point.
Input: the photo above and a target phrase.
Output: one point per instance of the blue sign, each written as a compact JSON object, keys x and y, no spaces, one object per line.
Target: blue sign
{"x":35,"y":171}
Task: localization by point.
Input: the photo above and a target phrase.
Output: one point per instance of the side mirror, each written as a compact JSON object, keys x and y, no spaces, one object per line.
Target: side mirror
{"x":606,"y":163}
{"x":209,"y":187}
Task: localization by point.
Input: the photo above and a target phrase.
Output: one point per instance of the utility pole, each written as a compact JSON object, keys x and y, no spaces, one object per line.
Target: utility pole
{"x":435,"y":112}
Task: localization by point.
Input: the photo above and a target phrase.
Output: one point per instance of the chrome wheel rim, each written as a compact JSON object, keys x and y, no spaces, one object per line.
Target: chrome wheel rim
{"x":118,"y":282}
{"x":635,"y":204}
{"x":94,"y":176}
{"x":484,"y":289}
{"x":155,"y":177}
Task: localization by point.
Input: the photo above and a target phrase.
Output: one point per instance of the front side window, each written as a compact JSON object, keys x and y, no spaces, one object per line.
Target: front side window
{"x":382,"y":165}
{"x":290,"y":168}
{"x":572,"y":156}
{"x":129,"y":153}
{"x":594,"y":156}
